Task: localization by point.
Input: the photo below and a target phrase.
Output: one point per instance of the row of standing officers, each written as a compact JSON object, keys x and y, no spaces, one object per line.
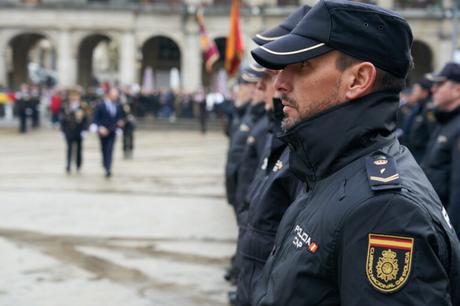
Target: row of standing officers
{"x":331,"y":208}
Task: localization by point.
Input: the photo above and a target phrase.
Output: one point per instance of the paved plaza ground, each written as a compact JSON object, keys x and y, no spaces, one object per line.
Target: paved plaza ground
{"x":159,"y":232}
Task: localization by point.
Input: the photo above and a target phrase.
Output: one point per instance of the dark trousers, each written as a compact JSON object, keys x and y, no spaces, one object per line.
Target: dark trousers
{"x":77,"y":145}
{"x":22,"y":123}
{"x":107,"y":144}
{"x":128,"y":140}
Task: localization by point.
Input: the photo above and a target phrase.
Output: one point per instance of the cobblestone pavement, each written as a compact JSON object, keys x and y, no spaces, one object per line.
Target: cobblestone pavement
{"x":159,"y":232}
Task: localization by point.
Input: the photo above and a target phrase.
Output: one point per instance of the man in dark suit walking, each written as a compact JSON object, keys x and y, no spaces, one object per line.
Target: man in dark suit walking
{"x":107,"y":119}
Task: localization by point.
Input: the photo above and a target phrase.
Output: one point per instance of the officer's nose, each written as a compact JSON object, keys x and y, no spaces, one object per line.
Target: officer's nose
{"x":282,"y":83}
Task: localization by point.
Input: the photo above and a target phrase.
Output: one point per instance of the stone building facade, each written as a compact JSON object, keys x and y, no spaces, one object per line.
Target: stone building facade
{"x":164,"y":34}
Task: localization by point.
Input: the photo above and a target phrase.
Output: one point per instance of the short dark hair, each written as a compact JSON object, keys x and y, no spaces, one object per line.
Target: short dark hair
{"x":383,"y":80}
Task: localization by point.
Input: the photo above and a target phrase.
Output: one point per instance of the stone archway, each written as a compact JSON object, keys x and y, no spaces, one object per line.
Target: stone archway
{"x":423,"y":60}
{"x":31,"y":57}
{"x":209,"y":79}
{"x":161,"y":57}
{"x":97,"y":60}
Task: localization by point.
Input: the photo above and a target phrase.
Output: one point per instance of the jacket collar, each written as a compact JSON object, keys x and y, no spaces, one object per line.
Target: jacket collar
{"x":276,"y":116}
{"x":444,"y":117}
{"x":240,"y":111}
{"x":257,"y":111}
{"x":330,"y":140}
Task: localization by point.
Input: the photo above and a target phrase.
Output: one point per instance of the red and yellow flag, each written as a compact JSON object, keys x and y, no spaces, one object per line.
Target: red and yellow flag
{"x":235,"y":47}
{"x":208,"y":46}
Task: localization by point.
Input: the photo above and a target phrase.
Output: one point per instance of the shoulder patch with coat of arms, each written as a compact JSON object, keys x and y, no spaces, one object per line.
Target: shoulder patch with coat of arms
{"x":389,"y":261}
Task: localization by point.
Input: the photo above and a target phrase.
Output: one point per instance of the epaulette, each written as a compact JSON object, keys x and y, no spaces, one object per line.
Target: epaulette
{"x":382,"y":172}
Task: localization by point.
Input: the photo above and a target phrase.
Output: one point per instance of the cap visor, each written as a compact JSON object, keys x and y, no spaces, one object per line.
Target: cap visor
{"x":250,"y":78}
{"x":287,"y":50}
{"x":435,"y":78}
{"x":270,"y":35}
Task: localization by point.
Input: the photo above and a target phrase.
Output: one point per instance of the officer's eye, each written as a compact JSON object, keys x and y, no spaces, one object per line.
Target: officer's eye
{"x":304,"y":65}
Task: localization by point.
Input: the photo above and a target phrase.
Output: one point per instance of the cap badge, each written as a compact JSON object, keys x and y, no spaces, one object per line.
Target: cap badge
{"x":264,"y":164}
{"x":380,"y":162}
{"x":244,"y":128}
{"x":442,"y":139}
{"x":278,"y":166}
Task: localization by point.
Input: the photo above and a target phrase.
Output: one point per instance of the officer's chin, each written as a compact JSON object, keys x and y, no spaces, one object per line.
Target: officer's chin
{"x":288,"y":123}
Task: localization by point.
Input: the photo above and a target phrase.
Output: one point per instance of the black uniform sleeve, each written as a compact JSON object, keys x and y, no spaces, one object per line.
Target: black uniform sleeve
{"x":454,"y":188}
{"x":390,"y":253}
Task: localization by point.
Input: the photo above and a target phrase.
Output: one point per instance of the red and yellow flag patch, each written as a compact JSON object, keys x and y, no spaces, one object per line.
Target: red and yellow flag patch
{"x":389,"y":261}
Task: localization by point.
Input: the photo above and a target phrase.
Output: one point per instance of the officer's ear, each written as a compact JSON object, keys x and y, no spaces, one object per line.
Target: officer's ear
{"x":456,"y":90}
{"x":359,"y":80}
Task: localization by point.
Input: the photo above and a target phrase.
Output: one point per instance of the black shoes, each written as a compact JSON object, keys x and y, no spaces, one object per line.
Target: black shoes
{"x":232,"y":298}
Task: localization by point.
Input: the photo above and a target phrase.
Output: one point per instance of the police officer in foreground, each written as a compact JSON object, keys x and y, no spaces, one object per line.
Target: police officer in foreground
{"x":370,"y":229}
{"x":273,"y":188}
{"x":442,"y":160}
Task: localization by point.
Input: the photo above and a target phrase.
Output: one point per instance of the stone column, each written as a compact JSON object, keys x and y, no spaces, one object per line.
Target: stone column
{"x":191,"y":63}
{"x":3,"y":72}
{"x":67,"y":62}
{"x":128,"y":62}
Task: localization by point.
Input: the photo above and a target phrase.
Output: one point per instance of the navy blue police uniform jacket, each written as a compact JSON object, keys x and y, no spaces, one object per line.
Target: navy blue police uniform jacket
{"x":274,"y":188}
{"x":370,"y":229}
{"x":239,"y":132}
{"x":250,"y":160}
{"x":442,"y":163}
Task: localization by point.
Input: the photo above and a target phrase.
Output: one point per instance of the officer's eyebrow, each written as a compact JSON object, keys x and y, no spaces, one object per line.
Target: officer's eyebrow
{"x":305,"y":63}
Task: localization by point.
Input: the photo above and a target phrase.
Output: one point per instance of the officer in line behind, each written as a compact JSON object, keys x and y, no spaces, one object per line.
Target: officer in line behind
{"x":255,"y":142}
{"x":106,"y":121}
{"x":420,"y":122}
{"x":442,"y":161}
{"x":252,"y":154}
{"x":240,"y":126}
{"x":274,"y":187}
{"x":370,"y":229}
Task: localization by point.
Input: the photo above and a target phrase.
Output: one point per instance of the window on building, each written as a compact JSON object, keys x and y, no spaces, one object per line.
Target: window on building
{"x":168,"y":50}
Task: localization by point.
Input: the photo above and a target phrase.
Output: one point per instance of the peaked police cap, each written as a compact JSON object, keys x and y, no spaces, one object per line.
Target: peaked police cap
{"x":363,"y":31}
{"x":283,"y":28}
{"x":252,"y":73}
{"x":451,"y":71}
